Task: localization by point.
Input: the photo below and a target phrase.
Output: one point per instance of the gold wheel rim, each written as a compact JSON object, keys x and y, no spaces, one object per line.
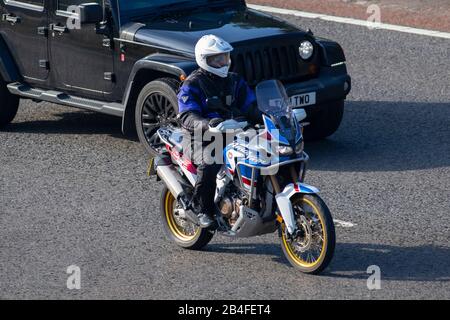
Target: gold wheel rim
{"x":293,"y":255}
{"x":176,"y":230}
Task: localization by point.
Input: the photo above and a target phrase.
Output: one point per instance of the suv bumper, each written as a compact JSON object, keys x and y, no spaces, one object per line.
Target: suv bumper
{"x":333,"y":84}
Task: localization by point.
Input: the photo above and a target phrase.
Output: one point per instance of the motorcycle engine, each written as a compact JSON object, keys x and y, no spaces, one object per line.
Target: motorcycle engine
{"x":229,"y":206}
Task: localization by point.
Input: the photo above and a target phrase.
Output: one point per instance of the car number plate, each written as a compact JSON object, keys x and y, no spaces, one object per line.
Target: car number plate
{"x":302,"y":100}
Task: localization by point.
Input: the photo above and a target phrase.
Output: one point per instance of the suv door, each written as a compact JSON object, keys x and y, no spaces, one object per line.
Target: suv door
{"x":80,"y":62}
{"x":23,"y":24}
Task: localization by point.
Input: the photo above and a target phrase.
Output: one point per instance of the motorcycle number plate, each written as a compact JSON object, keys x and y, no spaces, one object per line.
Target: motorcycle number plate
{"x":151,"y":167}
{"x":302,"y":100}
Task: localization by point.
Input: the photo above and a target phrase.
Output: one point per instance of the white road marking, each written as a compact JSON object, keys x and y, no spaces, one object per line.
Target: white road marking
{"x":343,"y":224}
{"x":364,"y":23}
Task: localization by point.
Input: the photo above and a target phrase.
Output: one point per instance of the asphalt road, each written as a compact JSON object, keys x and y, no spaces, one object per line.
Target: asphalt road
{"x":73,"y":191}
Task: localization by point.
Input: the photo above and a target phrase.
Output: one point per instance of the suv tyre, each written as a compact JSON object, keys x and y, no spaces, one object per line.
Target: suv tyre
{"x":8,"y":105}
{"x":157,"y":105}
{"x":325,"y":122}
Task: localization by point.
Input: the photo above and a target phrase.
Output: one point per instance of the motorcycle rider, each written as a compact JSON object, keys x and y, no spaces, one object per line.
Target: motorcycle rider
{"x":210,"y":95}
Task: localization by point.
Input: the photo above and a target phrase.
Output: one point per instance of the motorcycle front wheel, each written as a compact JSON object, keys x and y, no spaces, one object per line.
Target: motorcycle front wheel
{"x":184,"y":233}
{"x":313,"y":247}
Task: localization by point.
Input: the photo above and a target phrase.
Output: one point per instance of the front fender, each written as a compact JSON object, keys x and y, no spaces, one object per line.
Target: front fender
{"x":285,"y":205}
{"x":302,"y":188}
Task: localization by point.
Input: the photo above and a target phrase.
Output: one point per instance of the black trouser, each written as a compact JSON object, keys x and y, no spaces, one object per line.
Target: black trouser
{"x":207,"y":170}
{"x":205,"y":188}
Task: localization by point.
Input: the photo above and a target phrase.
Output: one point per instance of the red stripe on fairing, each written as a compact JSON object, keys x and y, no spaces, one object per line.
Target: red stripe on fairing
{"x":297,"y":189}
{"x":189,"y":166}
{"x":231,"y":171}
{"x":268,"y":136}
{"x":175,"y":154}
{"x":247,"y":181}
{"x":182,"y":161}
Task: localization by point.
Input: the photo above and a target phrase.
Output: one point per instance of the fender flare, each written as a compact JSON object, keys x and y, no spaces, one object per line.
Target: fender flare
{"x":331,"y":52}
{"x":156,"y":66}
{"x":9,"y":71}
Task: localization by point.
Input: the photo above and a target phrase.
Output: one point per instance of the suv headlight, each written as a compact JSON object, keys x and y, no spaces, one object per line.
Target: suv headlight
{"x":306,"y":50}
{"x":285,"y":150}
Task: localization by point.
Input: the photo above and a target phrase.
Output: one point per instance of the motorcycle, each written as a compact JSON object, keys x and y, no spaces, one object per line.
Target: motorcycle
{"x":260,"y":188}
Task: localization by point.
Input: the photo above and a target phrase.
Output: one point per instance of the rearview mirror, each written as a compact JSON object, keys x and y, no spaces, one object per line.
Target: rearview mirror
{"x":90,"y":13}
{"x":300,"y":114}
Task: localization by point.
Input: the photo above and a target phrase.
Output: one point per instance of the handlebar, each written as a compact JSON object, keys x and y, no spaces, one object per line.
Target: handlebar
{"x":228,"y":125}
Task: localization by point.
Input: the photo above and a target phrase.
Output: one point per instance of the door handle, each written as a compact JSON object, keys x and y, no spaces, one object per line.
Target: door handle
{"x":10,"y":18}
{"x":59,"y":29}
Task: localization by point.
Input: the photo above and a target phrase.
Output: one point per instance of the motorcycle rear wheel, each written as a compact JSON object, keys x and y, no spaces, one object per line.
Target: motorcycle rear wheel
{"x":314,"y":219}
{"x":185,"y":234}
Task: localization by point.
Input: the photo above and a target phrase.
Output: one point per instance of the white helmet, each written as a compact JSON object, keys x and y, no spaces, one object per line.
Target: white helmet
{"x":213,"y":55}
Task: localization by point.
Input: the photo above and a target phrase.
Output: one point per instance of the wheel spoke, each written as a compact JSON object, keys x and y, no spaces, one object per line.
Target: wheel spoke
{"x":186,"y":227}
{"x":150,"y":125}
{"x":156,"y":111}
{"x":147,"y":111}
{"x":167,"y":104}
{"x":149,"y":106}
{"x":155,"y":104}
{"x":319,"y":236}
{"x":308,"y":247}
{"x":148,"y":128}
{"x":170,"y":112}
{"x":160,"y":99}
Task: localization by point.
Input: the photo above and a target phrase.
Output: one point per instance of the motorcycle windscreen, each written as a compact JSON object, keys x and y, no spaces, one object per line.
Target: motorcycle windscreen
{"x":273,"y":100}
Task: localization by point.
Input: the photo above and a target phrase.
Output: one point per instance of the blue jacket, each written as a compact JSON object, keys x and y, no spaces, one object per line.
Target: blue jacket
{"x":235,"y":96}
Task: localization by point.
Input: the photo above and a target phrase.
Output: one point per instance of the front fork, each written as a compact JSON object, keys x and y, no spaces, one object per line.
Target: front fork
{"x":283,"y":199}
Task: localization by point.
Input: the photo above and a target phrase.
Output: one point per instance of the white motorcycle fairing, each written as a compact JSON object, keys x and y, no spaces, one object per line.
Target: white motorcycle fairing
{"x":285,"y":205}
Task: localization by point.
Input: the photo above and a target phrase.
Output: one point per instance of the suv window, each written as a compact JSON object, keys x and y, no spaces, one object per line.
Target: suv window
{"x":64,"y":4}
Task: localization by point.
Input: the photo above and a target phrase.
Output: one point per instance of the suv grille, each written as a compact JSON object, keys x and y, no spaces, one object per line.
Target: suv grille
{"x":277,"y":62}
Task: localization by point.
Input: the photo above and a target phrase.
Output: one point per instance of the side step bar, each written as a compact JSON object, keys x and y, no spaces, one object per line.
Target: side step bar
{"x":23,"y":90}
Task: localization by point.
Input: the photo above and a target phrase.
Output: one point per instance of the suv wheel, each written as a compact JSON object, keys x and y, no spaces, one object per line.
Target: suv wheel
{"x":8,"y":105}
{"x":325,"y":122}
{"x":156,"y":106}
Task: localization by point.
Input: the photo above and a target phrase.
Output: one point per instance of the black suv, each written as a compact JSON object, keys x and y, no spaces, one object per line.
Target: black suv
{"x":128,"y":57}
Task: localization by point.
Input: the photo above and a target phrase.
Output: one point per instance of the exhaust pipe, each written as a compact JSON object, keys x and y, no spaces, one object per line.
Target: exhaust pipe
{"x":171,"y":178}
{"x":174,"y":182}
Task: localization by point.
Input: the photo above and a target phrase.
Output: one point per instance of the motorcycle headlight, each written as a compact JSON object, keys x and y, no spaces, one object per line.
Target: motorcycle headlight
{"x":306,"y":50}
{"x":285,"y":150}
